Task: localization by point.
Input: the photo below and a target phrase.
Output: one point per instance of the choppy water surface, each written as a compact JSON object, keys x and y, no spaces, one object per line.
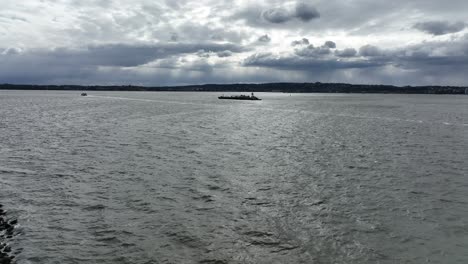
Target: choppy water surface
{"x":122,"y":177}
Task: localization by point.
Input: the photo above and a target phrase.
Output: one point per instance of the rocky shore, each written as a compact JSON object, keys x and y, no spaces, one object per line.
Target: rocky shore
{"x":7,"y":229}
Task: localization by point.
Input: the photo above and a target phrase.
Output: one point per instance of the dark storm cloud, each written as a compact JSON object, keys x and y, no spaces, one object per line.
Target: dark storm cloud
{"x":421,"y":61}
{"x":452,"y":54}
{"x":171,"y":71}
{"x":330,"y":44}
{"x":440,"y":27}
{"x":305,"y":63}
{"x":277,"y":15}
{"x":40,"y":65}
{"x":306,"y":12}
{"x":437,"y":61}
{"x":369,"y":51}
{"x":10,"y":51}
{"x":258,"y":15}
{"x":350,"y":52}
{"x":121,"y":54}
{"x":134,"y":55}
{"x":302,"y":12}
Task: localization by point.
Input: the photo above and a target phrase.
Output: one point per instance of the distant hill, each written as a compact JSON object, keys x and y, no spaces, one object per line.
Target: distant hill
{"x":264,"y":87}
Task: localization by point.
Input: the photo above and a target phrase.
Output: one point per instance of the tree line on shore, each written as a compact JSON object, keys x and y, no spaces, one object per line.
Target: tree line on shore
{"x":316,"y":87}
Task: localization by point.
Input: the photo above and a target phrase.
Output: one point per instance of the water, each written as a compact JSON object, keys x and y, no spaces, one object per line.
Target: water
{"x":138,"y":177}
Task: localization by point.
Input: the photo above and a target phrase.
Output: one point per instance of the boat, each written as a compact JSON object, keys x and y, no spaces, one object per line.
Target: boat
{"x":251,"y":97}
{"x":84,"y":94}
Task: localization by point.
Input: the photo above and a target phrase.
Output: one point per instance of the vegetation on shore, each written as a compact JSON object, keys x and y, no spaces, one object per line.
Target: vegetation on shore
{"x":316,"y":87}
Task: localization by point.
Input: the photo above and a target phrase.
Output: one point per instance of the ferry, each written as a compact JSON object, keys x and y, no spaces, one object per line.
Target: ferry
{"x":252,"y":97}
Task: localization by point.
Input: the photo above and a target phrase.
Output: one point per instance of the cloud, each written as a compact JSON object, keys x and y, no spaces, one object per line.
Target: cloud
{"x":277,"y":15}
{"x":432,"y":55}
{"x":125,"y":55}
{"x":27,"y":66}
{"x":438,"y":28}
{"x":224,"y":54}
{"x":369,"y":51}
{"x":264,"y":38}
{"x":305,"y":64}
{"x":168,"y":71}
{"x":445,"y":59}
{"x":306,"y":12}
{"x":13,"y":18}
{"x":350,"y":52}
{"x":330,"y":44}
{"x":174,"y":37}
{"x":196,"y":32}
{"x":95,"y":41}
{"x":303,"y":41}
{"x":311,"y":51}
{"x":10,"y":51}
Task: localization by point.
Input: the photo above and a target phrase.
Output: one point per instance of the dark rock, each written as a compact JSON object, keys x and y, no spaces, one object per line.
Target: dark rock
{"x":7,"y":228}
{"x":5,"y":260}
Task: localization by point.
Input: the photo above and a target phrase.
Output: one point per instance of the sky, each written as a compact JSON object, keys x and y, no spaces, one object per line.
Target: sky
{"x":180,"y":42}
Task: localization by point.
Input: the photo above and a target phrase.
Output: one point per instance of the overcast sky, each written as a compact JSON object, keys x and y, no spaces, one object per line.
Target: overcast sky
{"x":176,"y":42}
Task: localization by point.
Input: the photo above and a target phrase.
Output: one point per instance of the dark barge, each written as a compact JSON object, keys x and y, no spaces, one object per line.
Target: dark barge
{"x":241,"y":97}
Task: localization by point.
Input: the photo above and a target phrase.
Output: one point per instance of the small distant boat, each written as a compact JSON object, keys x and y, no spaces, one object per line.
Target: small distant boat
{"x":241,"y":97}
{"x":84,"y":94}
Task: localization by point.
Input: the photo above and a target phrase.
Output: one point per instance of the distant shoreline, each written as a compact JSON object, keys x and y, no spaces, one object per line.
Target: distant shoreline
{"x":316,"y":87}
